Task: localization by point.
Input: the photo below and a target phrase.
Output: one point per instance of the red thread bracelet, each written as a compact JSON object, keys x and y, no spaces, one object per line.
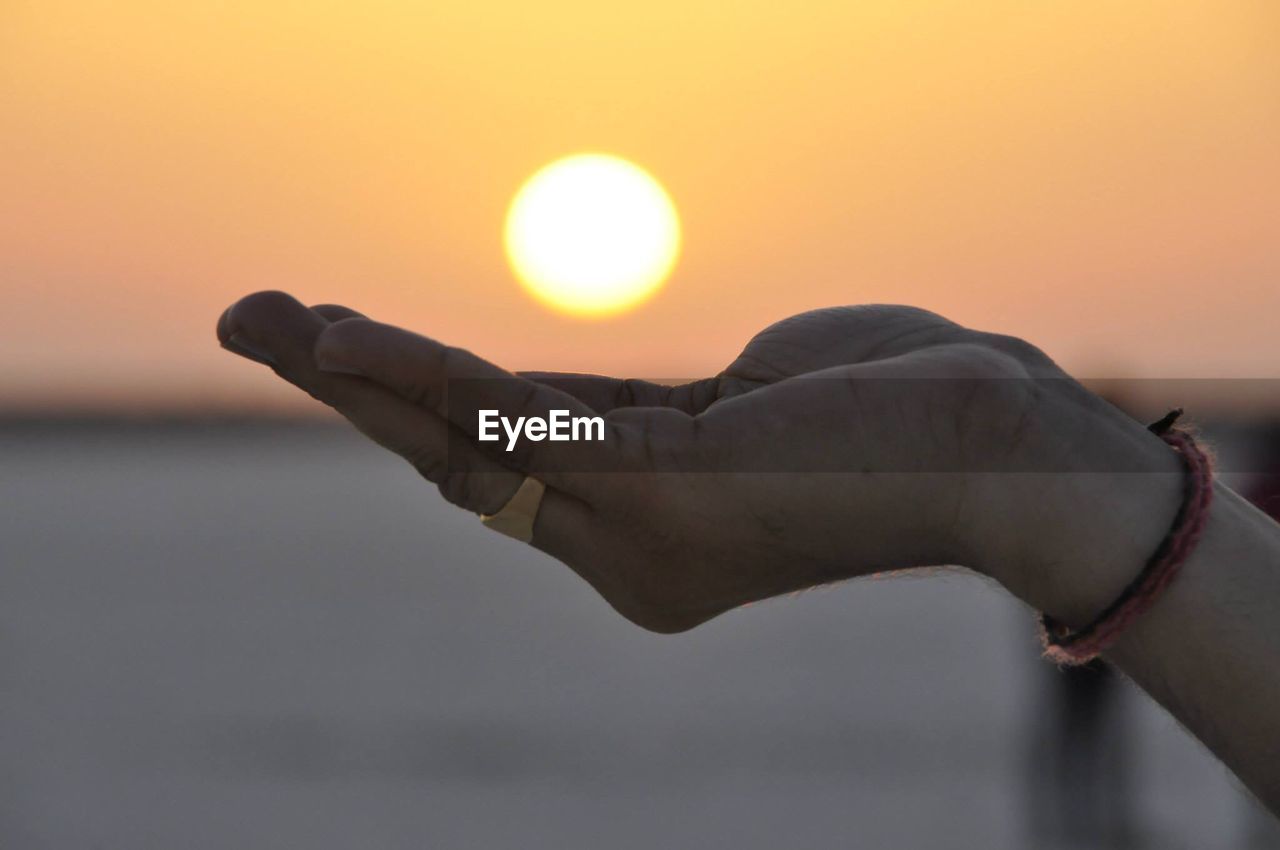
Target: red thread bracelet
{"x":1063,"y":646}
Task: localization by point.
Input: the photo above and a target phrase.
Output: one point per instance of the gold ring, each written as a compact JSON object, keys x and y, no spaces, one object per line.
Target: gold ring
{"x":516,"y":517}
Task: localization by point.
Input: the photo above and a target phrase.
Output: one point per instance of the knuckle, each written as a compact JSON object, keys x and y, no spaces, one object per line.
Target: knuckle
{"x":456,"y":488}
{"x":428,"y":462}
{"x":1015,"y":347}
{"x":339,"y":392}
{"x":482,"y":492}
{"x":981,"y":361}
{"x":336,"y":312}
{"x":420,"y":391}
{"x":451,"y":360}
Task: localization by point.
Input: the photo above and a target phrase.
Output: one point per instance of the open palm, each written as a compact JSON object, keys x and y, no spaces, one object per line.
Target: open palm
{"x":840,"y":442}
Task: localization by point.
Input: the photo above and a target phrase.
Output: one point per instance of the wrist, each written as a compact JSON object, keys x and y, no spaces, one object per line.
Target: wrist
{"x":1082,"y":531}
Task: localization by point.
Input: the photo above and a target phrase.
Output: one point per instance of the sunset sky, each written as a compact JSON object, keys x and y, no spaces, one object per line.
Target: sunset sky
{"x":1102,"y":178}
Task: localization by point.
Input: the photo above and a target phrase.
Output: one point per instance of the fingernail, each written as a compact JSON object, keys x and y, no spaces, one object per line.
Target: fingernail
{"x":240,"y":344}
{"x":326,"y":364}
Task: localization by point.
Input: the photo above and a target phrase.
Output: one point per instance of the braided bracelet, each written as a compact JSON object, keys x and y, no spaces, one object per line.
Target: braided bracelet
{"x":1061,"y":644}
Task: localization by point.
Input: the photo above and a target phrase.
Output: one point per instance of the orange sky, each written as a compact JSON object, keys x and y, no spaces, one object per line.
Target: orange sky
{"x":1100,"y":177}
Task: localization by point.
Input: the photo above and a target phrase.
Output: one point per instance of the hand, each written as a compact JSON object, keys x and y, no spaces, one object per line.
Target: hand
{"x":841,"y":442}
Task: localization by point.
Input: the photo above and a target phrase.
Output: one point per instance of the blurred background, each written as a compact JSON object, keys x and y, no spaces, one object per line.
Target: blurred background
{"x":191,"y":654}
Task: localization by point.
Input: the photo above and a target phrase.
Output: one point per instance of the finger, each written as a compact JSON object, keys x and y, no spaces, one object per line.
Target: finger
{"x":603,"y":394}
{"x":329,"y":312}
{"x":457,"y":385}
{"x":280,"y":330}
{"x":239,"y":345}
{"x":285,"y":331}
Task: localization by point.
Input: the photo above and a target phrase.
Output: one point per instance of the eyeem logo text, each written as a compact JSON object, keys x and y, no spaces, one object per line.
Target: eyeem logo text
{"x":558,"y":427}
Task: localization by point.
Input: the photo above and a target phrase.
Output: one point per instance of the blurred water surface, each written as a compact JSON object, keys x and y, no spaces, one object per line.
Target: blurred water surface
{"x":276,"y":636}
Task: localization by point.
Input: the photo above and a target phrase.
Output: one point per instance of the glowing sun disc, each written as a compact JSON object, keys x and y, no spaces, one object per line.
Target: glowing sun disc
{"x":592,"y":234}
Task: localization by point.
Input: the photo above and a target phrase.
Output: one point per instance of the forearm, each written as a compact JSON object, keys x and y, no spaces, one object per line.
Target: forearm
{"x":1209,"y":649}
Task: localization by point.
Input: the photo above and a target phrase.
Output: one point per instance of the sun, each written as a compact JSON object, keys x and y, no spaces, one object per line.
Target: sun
{"x":592,"y":234}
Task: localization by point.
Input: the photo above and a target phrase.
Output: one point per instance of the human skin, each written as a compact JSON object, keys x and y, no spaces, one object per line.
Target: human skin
{"x":841,"y":442}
